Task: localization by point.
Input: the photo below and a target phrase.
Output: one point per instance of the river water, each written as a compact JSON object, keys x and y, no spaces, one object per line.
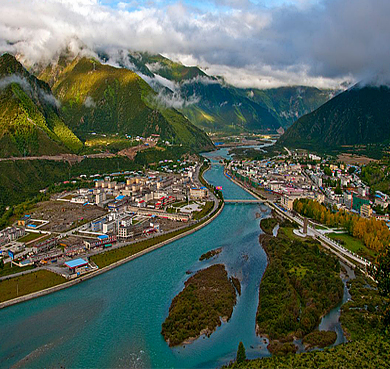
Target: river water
{"x":114,"y":320}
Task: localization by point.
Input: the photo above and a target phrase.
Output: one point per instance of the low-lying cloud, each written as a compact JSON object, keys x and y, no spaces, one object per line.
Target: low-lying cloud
{"x":89,"y":102}
{"x":50,"y":99}
{"x":174,"y":100}
{"x":306,"y":42}
{"x":9,"y":80}
{"x":27,"y":88}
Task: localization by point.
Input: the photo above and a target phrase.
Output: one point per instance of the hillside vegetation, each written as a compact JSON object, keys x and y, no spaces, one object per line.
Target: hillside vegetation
{"x":300,"y":284}
{"x":103,"y":99}
{"x":358,"y":116}
{"x":30,"y":123}
{"x":214,"y":105}
{"x":208,"y":102}
{"x":290,"y":103}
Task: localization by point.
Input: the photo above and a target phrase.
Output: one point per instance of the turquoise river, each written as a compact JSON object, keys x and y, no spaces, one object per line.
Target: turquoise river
{"x":114,"y":320}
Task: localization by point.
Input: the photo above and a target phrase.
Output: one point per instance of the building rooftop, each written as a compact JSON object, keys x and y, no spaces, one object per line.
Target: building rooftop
{"x":76,"y":263}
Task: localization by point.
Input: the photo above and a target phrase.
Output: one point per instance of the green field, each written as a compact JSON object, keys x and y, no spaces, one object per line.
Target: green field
{"x":206,"y":209}
{"x":322,"y":228}
{"x":113,"y":143}
{"x":354,"y":245}
{"x":179,"y":204}
{"x":28,"y":283}
{"x":8,"y":270}
{"x":29,"y":237}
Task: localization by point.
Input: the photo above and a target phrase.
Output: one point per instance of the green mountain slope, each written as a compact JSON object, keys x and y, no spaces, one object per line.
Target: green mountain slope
{"x":29,"y":119}
{"x":222,"y":107}
{"x":357,"y":116}
{"x":212,"y":104}
{"x":208,"y":102}
{"x":103,"y":99}
{"x":290,"y":103}
{"x":166,"y":68}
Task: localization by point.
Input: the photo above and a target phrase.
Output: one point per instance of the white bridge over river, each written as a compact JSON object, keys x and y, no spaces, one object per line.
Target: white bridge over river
{"x":244,"y":201}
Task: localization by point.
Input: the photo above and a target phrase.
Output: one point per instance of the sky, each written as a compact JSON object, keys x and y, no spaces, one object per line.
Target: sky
{"x":262,"y":43}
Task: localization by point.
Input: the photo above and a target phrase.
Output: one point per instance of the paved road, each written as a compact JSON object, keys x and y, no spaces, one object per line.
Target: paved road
{"x":345,"y":252}
{"x":61,"y":157}
{"x":328,"y":241}
{"x":213,"y":197}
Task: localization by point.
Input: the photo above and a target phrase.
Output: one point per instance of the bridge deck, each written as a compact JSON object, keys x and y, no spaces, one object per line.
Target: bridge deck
{"x":245,"y":201}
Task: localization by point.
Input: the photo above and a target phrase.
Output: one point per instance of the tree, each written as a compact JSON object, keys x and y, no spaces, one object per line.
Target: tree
{"x":328,"y":171}
{"x":338,"y":190}
{"x":241,"y":355}
{"x":381,"y":273}
{"x":351,"y":170}
{"x":1,"y":263}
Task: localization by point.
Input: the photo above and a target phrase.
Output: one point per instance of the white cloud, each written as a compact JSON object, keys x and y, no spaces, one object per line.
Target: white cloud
{"x":303,"y":42}
{"x":174,"y":100}
{"x":6,"y":81}
{"x":50,"y":99}
{"x":26,"y":86}
{"x":89,"y":102}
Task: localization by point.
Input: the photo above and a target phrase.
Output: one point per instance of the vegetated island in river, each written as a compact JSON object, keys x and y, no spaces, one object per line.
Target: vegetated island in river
{"x":207,"y":298}
{"x":210,"y":254}
{"x":362,"y":321}
{"x":300,"y":285}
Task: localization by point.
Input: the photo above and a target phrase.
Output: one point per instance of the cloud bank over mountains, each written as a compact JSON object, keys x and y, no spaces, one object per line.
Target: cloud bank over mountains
{"x":295,"y":42}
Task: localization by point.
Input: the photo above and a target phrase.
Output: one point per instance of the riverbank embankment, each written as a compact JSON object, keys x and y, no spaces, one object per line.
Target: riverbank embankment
{"x":107,"y":268}
{"x":115,"y":264}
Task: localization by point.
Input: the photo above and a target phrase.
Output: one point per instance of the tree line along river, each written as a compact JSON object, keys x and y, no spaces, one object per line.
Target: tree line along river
{"x":114,"y":320}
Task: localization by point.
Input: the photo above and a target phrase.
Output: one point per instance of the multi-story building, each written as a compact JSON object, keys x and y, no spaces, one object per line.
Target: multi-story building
{"x":287,"y":202}
{"x":45,"y":246}
{"x":198,"y":193}
{"x":126,"y":232}
{"x":366,"y":211}
{"x":100,"y":242}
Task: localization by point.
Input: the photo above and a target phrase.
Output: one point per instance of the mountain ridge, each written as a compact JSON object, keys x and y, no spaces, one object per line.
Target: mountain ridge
{"x":358,"y":116}
{"x":97,"y":97}
{"x":30,"y":123}
{"x":212,"y":104}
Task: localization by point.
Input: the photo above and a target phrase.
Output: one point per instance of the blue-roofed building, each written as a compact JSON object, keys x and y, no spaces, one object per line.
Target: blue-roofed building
{"x":76,"y":263}
{"x":103,"y":237}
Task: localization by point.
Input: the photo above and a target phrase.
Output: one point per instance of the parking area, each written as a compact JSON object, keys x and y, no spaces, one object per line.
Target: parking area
{"x":63,"y":216}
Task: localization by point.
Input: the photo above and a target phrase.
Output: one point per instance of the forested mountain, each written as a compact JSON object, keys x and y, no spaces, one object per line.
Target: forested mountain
{"x":214,"y":105}
{"x":290,"y":103}
{"x":207,"y":101}
{"x":100,"y":98}
{"x":358,"y":116}
{"x":30,"y":123}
